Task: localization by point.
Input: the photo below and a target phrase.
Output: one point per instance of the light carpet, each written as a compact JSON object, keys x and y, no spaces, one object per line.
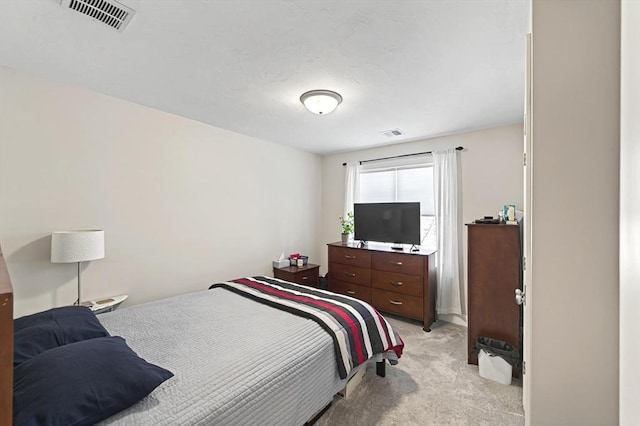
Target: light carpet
{"x":431,"y":385}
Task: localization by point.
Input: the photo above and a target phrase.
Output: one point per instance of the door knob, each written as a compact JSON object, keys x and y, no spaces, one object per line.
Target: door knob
{"x":520,"y":297}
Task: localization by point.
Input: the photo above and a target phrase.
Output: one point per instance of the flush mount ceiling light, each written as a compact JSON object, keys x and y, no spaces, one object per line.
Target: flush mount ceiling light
{"x":320,"y":101}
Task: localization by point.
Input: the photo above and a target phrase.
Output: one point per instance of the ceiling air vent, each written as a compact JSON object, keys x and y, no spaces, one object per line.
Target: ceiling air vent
{"x":392,"y":133}
{"x":109,"y":12}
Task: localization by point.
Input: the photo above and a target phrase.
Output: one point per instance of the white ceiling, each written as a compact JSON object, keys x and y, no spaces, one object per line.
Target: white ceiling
{"x":429,"y":67}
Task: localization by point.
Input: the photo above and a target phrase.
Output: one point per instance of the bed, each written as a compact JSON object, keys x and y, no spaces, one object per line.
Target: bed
{"x":231,"y":359}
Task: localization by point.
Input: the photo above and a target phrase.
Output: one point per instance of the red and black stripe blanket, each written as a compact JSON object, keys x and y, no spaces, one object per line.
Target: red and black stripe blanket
{"x":358,"y":331}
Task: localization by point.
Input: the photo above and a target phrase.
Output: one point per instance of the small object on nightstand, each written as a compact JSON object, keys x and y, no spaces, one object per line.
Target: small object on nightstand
{"x":106,"y":304}
{"x":280,"y":263}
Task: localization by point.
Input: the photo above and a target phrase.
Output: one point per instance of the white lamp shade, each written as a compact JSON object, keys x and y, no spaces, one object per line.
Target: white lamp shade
{"x":321,"y":101}
{"x":77,"y":246}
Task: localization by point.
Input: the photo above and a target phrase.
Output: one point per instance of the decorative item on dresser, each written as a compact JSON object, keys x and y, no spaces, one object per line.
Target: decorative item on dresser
{"x":308,"y":274}
{"x":494,"y":273}
{"x":347,"y":227}
{"x":401,"y":283}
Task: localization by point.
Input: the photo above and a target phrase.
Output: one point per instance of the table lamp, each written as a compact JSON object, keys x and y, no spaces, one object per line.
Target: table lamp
{"x":77,"y":246}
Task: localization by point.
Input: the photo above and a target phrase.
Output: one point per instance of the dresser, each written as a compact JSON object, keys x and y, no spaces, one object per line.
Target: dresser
{"x":494,"y":273}
{"x":308,"y":274}
{"x":398,"y":282}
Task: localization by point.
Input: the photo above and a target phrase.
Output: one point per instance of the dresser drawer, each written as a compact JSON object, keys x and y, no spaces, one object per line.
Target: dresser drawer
{"x":349,"y":289}
{"x":398,"y":262}
{"x":350,"y":274}
{"x":350,"y":256}
{"x":399,"y":283}
{"x":401,"y":304}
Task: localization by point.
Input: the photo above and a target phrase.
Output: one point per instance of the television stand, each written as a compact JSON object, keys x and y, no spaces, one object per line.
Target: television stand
{"x":374,"y":273}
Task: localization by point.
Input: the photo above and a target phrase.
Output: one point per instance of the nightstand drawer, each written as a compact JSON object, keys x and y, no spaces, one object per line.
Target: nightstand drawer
{"x":398,"y":262}
{"x":349,"y":289}
{"x":398,"y":283}
{"x":309,"y":278}
{"x":350,"y":274}
{"x":401,"y":304}
{"x":307,"y":275}
{"x":350,"y":256}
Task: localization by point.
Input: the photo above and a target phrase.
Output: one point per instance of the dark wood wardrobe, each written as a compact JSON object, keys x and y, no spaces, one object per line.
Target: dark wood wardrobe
{"x":494,"y":273}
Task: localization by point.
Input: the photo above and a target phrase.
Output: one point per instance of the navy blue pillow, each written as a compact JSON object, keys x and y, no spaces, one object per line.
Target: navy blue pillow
{"x":39,"y":332}
{"x":49,"y":315}
{"x":82,"y":383}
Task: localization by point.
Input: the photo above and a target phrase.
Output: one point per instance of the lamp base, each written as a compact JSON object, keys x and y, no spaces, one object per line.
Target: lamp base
{"x":106,"y":304}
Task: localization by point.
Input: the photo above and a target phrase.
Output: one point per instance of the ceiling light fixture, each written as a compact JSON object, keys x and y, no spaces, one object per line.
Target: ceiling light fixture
{"x":321,"y":101}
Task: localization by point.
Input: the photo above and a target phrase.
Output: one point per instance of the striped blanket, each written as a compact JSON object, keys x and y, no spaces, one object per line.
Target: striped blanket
{"x":358,"y":331}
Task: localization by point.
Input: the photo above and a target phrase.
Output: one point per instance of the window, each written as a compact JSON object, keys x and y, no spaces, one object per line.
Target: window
{"x":402,"y":183}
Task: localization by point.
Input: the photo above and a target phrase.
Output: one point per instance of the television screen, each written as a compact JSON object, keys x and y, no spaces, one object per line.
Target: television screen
{"x":387,"y":222}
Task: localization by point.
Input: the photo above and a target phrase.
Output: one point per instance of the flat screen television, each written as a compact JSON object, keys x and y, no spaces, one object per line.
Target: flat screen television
{"x":397,"y":223}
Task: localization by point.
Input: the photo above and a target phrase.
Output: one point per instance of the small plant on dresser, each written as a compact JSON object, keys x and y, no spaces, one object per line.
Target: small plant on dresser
{"x":347,"y":227}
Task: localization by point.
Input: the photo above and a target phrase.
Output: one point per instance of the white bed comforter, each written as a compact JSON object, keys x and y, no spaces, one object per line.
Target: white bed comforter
{"x":235,"y":361}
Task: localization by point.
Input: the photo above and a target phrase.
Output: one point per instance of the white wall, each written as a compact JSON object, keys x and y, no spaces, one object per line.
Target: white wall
{"x":183,"y":204}
{"x":630,"y":215}
{"x":490,"y":168}
{"x":575,"y":158}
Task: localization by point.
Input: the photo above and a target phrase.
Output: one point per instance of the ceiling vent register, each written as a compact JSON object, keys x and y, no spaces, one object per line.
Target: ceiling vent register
{"x":392,"y":133}
{"x":111,"y":13}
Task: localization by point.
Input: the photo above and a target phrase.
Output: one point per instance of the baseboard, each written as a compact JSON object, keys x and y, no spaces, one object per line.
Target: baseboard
{"x":453,"y":318}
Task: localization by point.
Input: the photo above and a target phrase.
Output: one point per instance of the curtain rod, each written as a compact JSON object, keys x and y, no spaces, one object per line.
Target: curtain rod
{"x":458,"y":148}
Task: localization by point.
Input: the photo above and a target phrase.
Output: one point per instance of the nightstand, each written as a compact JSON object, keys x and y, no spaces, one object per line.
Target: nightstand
{"x":105,"y":304}
{"x":307,"y":274}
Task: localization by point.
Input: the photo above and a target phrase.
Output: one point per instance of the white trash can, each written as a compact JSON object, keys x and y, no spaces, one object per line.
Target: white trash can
{"x":494,"y":367}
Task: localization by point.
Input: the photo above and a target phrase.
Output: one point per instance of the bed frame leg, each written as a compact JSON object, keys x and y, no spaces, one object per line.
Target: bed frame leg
{"x":381,"y":369}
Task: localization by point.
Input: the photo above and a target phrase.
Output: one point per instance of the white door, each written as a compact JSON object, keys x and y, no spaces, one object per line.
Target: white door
{"x":527,"y":260}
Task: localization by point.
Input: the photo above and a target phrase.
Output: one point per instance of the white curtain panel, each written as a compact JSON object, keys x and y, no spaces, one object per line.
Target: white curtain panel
{"x":445,"y":190}
{"x":351,"y":186}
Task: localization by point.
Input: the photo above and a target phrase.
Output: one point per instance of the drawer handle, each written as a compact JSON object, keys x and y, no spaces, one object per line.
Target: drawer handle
{"x":305,"y":278}
{"x":396,"y":283}
{"x":396,"y":263}
{"x":349,"y":257}
{"x":350,"y":275}
{"x":395,"y":302}
{"x":351,"y":292}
